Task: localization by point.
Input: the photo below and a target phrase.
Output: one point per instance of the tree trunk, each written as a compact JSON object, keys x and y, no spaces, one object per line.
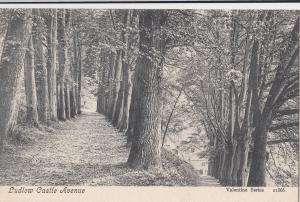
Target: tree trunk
{"x":257,"y":175}
{"x":61,"y":98}
{"x":242,"y":172}
{"x":2,"y":37}
{"x":72,"y":101}
{"x":30,"y":88}
{"x":246,"y":132}
{"x":230,"y":144}
{"x":100,"y":77}
{"x":127,"y":98}
{"x":236,"y":163}
{"x":68,"y":76}
{"x":99,"y":102}
{"x":145,"y":150}
{"x":76,"y":69}
{"x":132,"y":45}
{"x":104,"y":83}
{"x":62,"y":67}
{"x":41,"y":73}
{"x":111,"y":63}
{"x":237,"y":135}
{"x":123,"y":123}
{"x":117,"y":85}
{"x":257,"y":170}
{"x":221,"y":164}
{"x":275,"y":99}
{"x":79,"y":79}
{"x":227,"y":176}
{"x":216,"y":164}
{"x":52,"y":66}
{"x":73,"y":106}
{"x":12,"y":61}
{"x":119,"y":114}
{"x":120,"y":102}
{"x":67,"y":99}
{"x":131,"y":122}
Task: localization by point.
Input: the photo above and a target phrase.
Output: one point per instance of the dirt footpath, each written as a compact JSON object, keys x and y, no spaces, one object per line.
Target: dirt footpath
{"x":82,"y":151}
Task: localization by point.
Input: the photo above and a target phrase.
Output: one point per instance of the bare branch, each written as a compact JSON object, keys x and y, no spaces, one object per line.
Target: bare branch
{"x":272,"y":142}
{"x":283,"y":125}
{"x":285,"y":112}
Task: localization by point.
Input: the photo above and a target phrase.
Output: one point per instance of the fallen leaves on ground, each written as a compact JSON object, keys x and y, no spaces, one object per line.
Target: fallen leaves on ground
{"x":86,"y":151}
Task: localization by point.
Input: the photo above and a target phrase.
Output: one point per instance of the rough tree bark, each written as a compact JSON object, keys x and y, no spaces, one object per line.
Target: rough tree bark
{"x":245,"y":136}
{"x":61,"y":72}
{"x":127,"y":98}
{"x":12,"y":62}
{"x":30,"y":88}
{"x":123,"y":95}
{"x":120,"y":103}
{"x":41,"y":68}
{"x":131,"y":121}
{"x":52,"y":65}
{"x":132,"y":42}
{"x":105,"y":77}
{"x":229,"y":144}
{"x":72,"y":66}
{"x":77,"y":72}
{"x":117,"y":85}
{"x":145,"y":150}
{"x":112,"y":60}
{"x":281,"y":90}
{"x":101,"y":72}
{"x":67,"y":65}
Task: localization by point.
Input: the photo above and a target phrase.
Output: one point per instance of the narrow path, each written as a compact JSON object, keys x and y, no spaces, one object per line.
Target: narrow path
{"x":78,"y":150}
{"x":82,"y":151}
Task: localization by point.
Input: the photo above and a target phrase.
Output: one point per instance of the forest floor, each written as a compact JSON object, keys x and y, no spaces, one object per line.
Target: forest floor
{"x":85,"y":151}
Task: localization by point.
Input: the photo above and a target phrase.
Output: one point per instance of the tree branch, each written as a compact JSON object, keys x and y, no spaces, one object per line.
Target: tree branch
{"x":170,"y":116}
{"x":285,"y":112}
{"x":283,"y":125}
{"x":272,"y":142}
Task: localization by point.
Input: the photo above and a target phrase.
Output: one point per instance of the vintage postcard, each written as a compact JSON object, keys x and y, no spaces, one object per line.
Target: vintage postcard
{"x":141,"y":101}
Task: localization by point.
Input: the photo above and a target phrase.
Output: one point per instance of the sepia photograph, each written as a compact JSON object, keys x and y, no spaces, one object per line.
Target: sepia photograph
{"x":148,"y":98}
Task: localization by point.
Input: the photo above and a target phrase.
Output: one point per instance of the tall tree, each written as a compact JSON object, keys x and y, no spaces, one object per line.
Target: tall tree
{"x":62,"y":61}
{"x":67,"y":64}
{"x":12,"y":62}
{"x":131,"y":40}
{"x":41,"y":66}
{"x":285,"y":86}
{"x":52,"y":69}
{"x":79,"y":74}
{"x":145,"y":150}
{"x":30,"y":87}
{"x":117,"y":86}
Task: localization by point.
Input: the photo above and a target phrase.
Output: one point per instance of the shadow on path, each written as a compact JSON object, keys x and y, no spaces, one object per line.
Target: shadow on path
{"x":82,"y":151}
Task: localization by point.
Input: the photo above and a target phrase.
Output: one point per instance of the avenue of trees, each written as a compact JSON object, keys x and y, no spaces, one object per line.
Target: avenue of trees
{"x":237,"y":70}
{"x":45,"y":45}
